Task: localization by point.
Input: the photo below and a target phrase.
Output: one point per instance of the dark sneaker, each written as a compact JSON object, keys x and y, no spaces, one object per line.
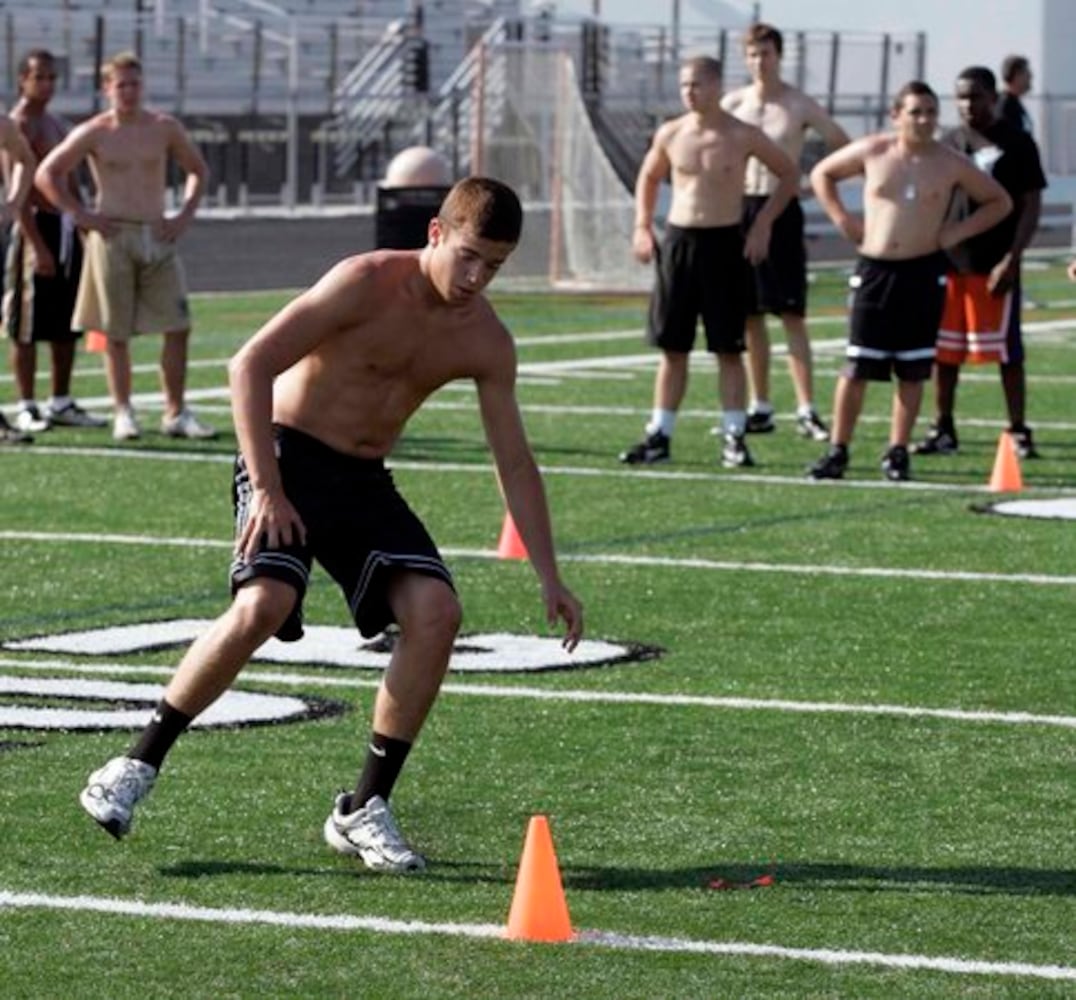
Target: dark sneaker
{"x":938,"y":442}
{"x":760,"y":422}
{"x":735,"y":454}
{"x":653,"y":448}
{"x":831,"y":465}
{"x":895,"y":464}
{"x":810,"y":425}
{"x":1025,"y":446}
{"x":72,"y":415}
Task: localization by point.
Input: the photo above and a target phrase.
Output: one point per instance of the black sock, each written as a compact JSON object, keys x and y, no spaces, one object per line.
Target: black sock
{"x":384,"y":758}
{"x":157,"y":738}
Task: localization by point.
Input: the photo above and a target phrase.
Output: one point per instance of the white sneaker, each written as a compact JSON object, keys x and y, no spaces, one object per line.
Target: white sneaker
{"x":125,"y":427}
{"x":371,"y":834}
{"x":111,"y":793}
{"x":29,"y":420}
{"x":186,"y":425}
{"x":72,"y":415}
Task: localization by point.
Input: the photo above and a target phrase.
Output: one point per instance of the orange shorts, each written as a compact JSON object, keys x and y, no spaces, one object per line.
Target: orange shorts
{"x":975,"y":324}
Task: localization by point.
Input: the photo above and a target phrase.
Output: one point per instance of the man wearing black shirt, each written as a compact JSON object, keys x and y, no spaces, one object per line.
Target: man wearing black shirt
{"x":981,"y":322}
{"x":1016,"y":81}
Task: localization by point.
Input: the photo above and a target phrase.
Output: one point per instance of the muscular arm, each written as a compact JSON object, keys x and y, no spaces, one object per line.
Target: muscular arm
{"x":993,"y":204}
{"x":53,"y":176}
{"x":816,"y":117}
{"x":1007,"y":270}
{"x":189,"y":158}
{"x":522,"y":486}
{"x":654,"y":169}
{"x":22,"y":163}
{"x":289,"y":336}
{"x":846,"y":162}
{"x":779,"y":163}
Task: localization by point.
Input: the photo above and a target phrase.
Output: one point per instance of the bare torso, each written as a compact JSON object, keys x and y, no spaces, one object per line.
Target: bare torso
{"x":707,"y":158}
{"x":782,"y":116}
{"x":43,"y":131}
{"x":393,"y":348}
{"x":128,"y":161}
{"x":906,"y":196}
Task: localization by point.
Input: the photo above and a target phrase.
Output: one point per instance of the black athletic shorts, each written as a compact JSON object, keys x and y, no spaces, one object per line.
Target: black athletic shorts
{"x":35,"y":307}
{"x":779,"y":284}
{"x":358,"y":528}
{"x":895,"y":309}
{"x":700,"y":272}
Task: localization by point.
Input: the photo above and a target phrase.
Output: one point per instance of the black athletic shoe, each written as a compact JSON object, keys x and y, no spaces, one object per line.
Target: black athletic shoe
{"x":1025,"y":446}
{"x":895,"y":464}
{"x":760,"y":422}
{"x":735,"y":454}
{"x":653,"y":448}
{"x":831,"y":465}
{"x":938,"y":442}
{"x":810,"y":425}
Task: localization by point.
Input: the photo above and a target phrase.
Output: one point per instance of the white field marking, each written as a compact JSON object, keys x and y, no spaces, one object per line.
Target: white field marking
{"x":300,"y":680}
{"x":607,"y":559}
{"x":583,"y":938}
{"x":618,"y":471}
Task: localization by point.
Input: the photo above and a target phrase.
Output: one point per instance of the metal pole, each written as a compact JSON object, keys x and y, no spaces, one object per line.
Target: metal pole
{"x":883,"y":92}
{"x":834,"y":61}
{"x":293,"y":116}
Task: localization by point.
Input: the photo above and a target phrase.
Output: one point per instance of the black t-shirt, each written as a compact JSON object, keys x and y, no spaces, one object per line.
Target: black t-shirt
{"x":1011,"y":109}
{"x":1011,"y":157}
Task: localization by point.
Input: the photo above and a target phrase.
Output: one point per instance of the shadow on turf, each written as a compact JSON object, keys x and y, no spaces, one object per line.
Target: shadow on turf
{"x":806,"y":875}
{"x":843,"y":878}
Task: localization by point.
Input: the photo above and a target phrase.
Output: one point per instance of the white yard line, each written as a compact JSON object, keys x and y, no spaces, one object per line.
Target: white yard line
{"x":292,"y":679}
{"x":351,"y":923}
{"x":605,"y":559}
{"x":612,"y":471}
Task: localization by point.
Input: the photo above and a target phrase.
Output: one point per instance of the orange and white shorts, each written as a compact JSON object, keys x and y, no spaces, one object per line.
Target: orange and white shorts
{"x":975,"y":325}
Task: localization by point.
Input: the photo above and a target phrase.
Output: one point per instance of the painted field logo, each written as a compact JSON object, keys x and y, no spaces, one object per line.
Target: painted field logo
{"x":66,"y":703}
{"x":337,"y":646}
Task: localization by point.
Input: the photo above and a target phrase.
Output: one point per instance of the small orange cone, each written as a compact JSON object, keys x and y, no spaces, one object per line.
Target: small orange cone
{"x":1006,"y":477}
{"x":96,"y":342}
{"x":539,"y":910}
{"x":511,"y":545}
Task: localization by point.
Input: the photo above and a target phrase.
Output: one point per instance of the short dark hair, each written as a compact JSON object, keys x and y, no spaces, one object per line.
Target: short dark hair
{"x":982,"y":75}
{"x":35,"y":55}
{"x":917,"y":88}
{"x":760,"y":32}
{"x":707,"y":65}
{"x":1011,"y":65}
{"x":487,"y":207}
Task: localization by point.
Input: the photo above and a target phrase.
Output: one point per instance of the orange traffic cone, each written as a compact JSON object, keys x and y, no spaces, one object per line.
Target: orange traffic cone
{"x":1006,"y":477}
{"x":510,"y":545}
{"x":539,"y":910}
{"x":96,"y":342}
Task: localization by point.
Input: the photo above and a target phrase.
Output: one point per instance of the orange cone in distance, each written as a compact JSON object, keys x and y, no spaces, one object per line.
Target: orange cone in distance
{"x":96,"y":342}
{"x":539,"y":910}
{"x":510,"y":545}
{"x":1006,"y":477}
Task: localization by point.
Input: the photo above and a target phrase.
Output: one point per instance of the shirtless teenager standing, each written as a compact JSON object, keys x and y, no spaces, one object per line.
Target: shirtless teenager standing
{"x":702,"y":261}
{"x":42,"y":266}
{"x":320,"y":395}
{"x":132,"y":278}
{"x":898,"y":287}
{"x":778,"y":284}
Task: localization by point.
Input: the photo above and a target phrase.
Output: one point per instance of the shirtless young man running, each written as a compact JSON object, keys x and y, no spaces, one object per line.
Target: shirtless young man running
{"x":320,"y":395}
{"x":132,"y":278}
{"x":779,"y":283}
{"x":702,"y":261}
{"x":898,"y":288}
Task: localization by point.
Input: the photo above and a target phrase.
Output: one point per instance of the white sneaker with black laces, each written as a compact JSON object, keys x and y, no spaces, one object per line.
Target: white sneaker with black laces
{"x":371,"y":833}
{"x":112,"y":792}
{"x":30,"y":421}
{"x":186,"y":425}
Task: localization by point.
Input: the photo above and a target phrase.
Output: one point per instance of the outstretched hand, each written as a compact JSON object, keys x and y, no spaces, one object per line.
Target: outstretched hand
{"x":562,"y":604}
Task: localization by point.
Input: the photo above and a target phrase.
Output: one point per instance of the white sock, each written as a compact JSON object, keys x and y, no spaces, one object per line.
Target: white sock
{"x":805,"y":410}
{"x":662,"y":420}
{"x":734,"y":422}
{"x":762,"y":406}
{"x":59,"y":402}
{"x":25,"y":404}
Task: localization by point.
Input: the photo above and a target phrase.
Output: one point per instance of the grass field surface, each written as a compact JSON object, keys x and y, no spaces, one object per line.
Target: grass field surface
{"x":862,"y":689}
